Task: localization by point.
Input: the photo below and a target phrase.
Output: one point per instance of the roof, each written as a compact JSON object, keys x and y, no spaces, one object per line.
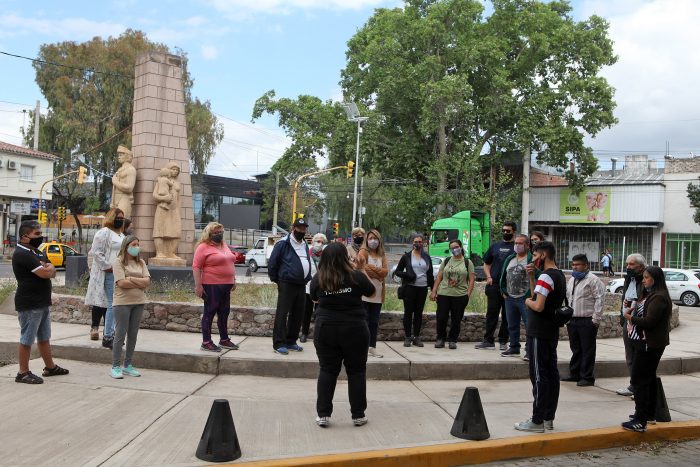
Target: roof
{"x":22,"y":151}
{"x":653,"y":177}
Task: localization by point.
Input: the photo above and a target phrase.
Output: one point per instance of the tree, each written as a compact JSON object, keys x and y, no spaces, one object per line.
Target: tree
{"x":694,"y":197}
{"x":90,"y":91}
{"x":453,"y":87}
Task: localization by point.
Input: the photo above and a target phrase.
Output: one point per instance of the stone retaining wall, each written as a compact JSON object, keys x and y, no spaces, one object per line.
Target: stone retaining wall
{"x":186,"y":317}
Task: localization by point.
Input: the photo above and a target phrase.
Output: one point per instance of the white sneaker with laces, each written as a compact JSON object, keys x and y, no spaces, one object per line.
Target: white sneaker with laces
{"x":528,"y":425}
{"x":323,"y":421}
{"x":359,"y":421}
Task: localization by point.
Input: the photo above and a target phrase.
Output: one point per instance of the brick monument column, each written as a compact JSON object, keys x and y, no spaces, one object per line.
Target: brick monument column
{"x":159,"y":136}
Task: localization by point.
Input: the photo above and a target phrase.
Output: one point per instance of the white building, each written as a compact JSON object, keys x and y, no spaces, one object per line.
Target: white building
{"x":680,"y":234}
{"x":23,"y":171}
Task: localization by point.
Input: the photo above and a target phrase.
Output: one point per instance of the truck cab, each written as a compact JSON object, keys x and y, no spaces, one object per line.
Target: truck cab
{"x":472,"y":228}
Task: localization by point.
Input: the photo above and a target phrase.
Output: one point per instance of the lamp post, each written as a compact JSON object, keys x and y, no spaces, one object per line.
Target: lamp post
{"x":354,"y":116}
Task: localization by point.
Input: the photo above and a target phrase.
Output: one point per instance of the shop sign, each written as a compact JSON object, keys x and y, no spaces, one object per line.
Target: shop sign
{"x":590,"y":206}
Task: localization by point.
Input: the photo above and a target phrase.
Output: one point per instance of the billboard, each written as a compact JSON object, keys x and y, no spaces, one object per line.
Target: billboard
{"x":591,"y":206}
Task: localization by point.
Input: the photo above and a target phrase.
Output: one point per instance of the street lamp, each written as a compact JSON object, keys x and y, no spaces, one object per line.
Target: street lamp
{"x":354,"y":116}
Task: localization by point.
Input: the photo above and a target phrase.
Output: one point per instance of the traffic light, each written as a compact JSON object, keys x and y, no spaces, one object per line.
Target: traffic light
{"x":351,"y":168}
{"x":335,"y":229}
{"x":82,"y":173}
{"x":42,"y":217}
{"x":61,"y":213}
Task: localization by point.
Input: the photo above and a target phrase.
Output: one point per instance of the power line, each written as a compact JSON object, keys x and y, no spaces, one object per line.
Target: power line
{"x":90,"y":70}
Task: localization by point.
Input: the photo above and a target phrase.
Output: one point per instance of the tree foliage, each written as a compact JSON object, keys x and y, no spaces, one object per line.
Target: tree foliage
{"x":694,"y":197}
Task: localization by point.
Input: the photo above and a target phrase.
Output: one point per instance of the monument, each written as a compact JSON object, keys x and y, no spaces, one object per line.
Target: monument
{"x":123,"y":182}
{"x":162,"y":208}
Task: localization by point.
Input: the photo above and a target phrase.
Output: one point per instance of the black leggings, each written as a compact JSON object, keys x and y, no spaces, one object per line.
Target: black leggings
{"x":413,"y":304}
{"x":98,"y":314}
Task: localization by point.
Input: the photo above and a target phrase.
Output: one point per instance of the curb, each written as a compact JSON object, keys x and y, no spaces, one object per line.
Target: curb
{"x":478,"y":452}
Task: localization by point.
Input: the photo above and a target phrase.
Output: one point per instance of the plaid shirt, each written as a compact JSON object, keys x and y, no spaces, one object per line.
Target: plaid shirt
{"x":587,"y":299}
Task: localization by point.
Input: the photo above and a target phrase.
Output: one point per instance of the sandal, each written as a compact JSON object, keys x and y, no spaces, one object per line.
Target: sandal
{"x":28,"y":378}
{"x":55,"y":371}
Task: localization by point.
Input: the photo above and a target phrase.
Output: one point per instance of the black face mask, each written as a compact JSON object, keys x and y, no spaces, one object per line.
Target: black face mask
{"x":299,"y":236}
{"x":507,"y":237}
{"x":118,"y":223}
{"x":35,"y":242}
{"x":217,"y":238}
{"x":358,"y":240}
{"x":632,"y":272}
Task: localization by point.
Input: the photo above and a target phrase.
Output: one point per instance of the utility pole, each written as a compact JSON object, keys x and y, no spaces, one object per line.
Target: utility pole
{"x":36,"y":125}
{"x":525,"y":212}
{"x":362,"y":190}
{"x":274,"y":215}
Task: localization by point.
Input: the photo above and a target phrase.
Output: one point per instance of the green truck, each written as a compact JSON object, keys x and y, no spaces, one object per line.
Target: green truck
{"x":473,"y":228}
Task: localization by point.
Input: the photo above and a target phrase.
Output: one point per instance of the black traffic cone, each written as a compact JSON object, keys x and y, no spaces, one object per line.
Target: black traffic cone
{"x":662,"y":412}
{"x":219,"y":442}
{"x":470,"y":422}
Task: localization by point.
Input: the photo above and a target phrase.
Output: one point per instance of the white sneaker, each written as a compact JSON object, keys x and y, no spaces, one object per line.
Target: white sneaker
{"x":625,"y":392}
{"x":323,"y":421}
{"x":359,"y":421}
{"x":528,"y":425}
{"x":373,"y":353}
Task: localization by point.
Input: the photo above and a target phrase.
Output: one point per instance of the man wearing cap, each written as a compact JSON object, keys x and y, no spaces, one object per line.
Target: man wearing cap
{"x":290,"y":268}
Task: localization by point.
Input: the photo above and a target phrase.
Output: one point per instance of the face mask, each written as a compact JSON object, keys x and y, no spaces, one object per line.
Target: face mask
{"x":358,"y":240}
{"x":118,"y":223}
{"x":507,"y":237}
{"x":133,"y":251}
{"x":456,"y":251}
{"x":520,"y":249}
{"x":299,"y":236}
{"x":631,"y":272}
{"x":578,"y":275}
{"x":417,"y":246}
{"x":35,"y":242}
{"x":373,"y":244}
{"x":317,"y":247}
{"x":217,"y":238}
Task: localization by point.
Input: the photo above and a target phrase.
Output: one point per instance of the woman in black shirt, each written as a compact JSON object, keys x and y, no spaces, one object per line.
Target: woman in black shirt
{"x":341,"y":335}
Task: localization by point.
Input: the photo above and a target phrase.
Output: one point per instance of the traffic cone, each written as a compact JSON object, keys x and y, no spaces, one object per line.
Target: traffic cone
{"x":470,"y":422}
{"x":219,"y":442}
{"x":662,"y":412}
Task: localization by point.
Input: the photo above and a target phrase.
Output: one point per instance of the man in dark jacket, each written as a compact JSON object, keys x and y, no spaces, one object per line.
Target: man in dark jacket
{"x":290,"y":268}
{"x":631,"y":291}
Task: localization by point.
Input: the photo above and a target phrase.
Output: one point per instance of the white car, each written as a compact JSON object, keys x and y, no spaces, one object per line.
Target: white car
{"x":683,"y":285}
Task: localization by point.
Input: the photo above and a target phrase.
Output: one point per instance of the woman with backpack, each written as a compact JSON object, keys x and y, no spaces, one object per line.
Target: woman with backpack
{"x":453,"y":287}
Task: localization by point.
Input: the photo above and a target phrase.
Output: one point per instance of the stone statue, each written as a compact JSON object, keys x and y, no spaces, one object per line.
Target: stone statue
{"x":123,"y":182}
{"x":167,"y":222}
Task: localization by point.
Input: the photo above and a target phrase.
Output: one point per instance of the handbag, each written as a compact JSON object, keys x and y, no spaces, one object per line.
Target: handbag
{"x":400,"y":292}
{"x":563,"y":314}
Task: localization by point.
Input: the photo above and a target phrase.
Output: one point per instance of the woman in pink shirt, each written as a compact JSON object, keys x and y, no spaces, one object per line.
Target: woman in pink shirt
{"x":214,"y":273}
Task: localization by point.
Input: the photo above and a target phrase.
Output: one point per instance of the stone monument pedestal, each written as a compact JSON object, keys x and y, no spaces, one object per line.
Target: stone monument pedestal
{"x":170,"y":262}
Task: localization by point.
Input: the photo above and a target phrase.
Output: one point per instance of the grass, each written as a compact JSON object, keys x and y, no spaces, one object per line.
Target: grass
{"x":7,"y":286}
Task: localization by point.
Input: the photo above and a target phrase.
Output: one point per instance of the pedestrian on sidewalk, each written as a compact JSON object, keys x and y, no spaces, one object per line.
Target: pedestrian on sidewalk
{"x":358,"y":239}
{"x":415,"y":269}
{"x":647,"y":327}
{"x":289,"y":267}
{"x":33,"y":272}
{"x":585,"y":293}
{"x":318,"y":243}
{"x":341,"y":335}
{"x":631,"y":290}
{"x":372,"y":260}
{"x":605,"y":263}
{"x":131,"y":278}
{"x":543,"y":336}
{"x":515,"y":287}
{"x":493,"y":266}
{"x":105,"y":246}
{"x":453,"y":287}
{"x":214,"y":272}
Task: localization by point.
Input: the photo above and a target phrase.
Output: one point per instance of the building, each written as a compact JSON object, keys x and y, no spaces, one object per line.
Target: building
{"x":234,"y":203}
{"x":680,"y":236}
{"x":23,"y":172}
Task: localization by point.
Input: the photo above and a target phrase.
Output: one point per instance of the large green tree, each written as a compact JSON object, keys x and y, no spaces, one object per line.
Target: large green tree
{"x":89,"y":88}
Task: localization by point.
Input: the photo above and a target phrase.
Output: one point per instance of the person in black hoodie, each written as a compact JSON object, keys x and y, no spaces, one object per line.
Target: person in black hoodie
{"x":631,"y":291}
{"x":341,"y":335}
{"x":543,"y":336}
{"x":415,"y":269}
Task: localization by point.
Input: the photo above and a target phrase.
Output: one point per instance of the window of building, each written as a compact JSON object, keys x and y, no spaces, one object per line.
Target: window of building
{"x":682,"y":251}
{"x":26,"y":173}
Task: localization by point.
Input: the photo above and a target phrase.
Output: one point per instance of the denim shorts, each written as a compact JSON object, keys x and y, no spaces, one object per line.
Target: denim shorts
{"x":35,"y":325}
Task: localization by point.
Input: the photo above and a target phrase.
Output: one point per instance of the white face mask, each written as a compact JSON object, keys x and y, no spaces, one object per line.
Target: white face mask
{"x":373,"y":244}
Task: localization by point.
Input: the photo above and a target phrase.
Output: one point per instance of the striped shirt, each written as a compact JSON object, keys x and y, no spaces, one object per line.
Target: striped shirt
{"x":587,"y":298}
{"x":632,"y":331}
{"x":544,"y":285}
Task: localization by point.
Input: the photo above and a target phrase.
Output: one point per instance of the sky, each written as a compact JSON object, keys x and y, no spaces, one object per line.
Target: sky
{"x":240,"y":49}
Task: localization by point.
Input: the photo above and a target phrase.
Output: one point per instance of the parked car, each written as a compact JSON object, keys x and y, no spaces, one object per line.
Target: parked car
{"x":57,"y":253}
{"x":683,"y":285}
{"x":239,"y":253}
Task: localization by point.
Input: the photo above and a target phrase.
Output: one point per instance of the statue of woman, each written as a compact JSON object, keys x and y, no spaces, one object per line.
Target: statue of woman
{"x":167,"y":228}
{"x":123,"y":182}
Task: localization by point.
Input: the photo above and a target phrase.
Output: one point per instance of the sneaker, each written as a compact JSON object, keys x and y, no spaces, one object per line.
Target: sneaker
{"x":359,"y":421}
{"x":94,"y":334}
{"x":585,"y":382}
{"x":453,"y":345}
{"x":569,"y":379}
{"x":373,"y":353}
{"x":130,"y":371}
{"x":295,"y":348}
{"x":407,"y":342}
{"x":323,"y":421}
{"x":417,"y":342}
{"x":210,"y":347}
{"x":649,"y":422}
{"x":503,"y":346}
{"x":228,"y":344}
{"x":116,"y":372}
{"x":511,"y":353}
{"x":303,"y":338}
{"x":485,"y":346}
{"x":528,"y":425}
{"x":439,"y":344}
{"x":282,"y":350}
{"x":549,"y":425}
{"x":107,"y":342}
{"x":28,"y":378}
{"x":625,"y":392}
{"x":635,"y":425}
{"x":526,"y":358}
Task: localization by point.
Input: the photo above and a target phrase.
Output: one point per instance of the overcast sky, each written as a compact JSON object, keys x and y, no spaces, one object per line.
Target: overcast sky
{"x":239,"y":49}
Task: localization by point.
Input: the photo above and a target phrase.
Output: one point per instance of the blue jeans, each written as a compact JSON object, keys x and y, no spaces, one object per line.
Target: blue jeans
{"x":34,"y":325}
{"x":515,"y":309}
{"x":109,"y":315}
